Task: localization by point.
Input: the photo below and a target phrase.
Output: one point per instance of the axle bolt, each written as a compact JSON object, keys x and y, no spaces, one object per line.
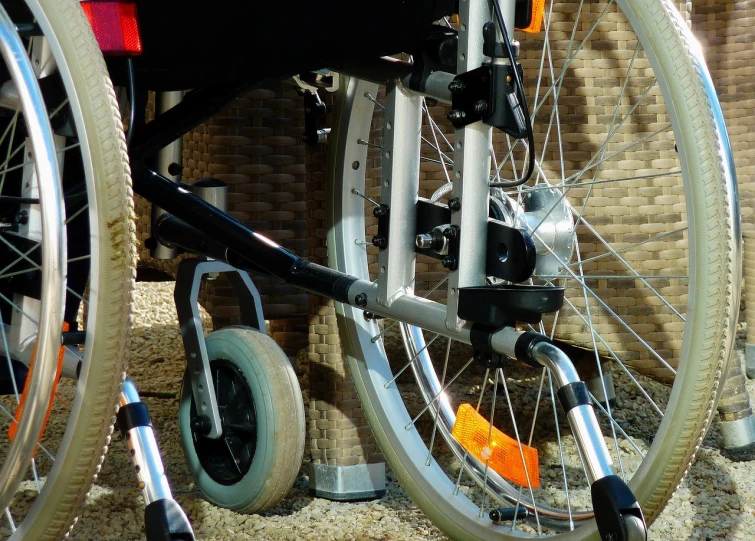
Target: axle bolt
{"x":201,"y":425}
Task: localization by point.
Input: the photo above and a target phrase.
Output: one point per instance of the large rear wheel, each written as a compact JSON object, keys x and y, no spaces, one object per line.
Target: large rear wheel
{"x":93,"y":183}
{"x":632,"y":209}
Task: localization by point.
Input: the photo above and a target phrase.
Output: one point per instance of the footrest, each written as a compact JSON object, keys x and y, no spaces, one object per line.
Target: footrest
{"x":500,"y":305}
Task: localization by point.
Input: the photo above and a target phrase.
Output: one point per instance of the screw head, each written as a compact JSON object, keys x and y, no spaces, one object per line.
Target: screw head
{"x":174,"y":169}
{"x":454,"y":204}
{"x":480,"y":107}
{"x":456,"y":115}
{"x":450,"y":233}
{"x":456,"y":86}
{"x":449,"y":262}
{"x":361,"y":299}
{"x":379,"y":242}
{"x":379,"y":212}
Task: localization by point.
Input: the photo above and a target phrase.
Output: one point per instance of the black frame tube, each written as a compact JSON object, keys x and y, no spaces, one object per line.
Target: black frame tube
{"x":262,"y":253}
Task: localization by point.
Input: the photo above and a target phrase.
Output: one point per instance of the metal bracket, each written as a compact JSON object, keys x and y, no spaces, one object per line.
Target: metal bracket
{"x":314,"y":109}
{"x":186,"y":295}
{"x":382,"y":213}
{"x":511,"y":252}
{"x":483,"y":352}
{"x":318,"y":80}
{"x":488,"y":93}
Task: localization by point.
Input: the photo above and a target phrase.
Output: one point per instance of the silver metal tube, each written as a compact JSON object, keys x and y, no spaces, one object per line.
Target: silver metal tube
{"x":145,"y":453}
{"x":508,"y":9}
{"x":590,"y":443}
{"x":400,"y":185}
{"x":170,"y":154}
{"x":472,"y":160}
{"x":592,"y":448}
{"x":217,"y":196}
{"x":430,"y":315}
{"x":436,"y":86}
{"x":557,"y":362}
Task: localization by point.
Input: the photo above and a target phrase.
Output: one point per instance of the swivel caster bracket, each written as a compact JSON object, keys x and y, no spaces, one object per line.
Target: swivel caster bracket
{"x":186,"y":295}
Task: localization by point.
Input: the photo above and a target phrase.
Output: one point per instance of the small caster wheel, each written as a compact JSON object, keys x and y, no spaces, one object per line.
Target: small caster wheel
{"x":255,"y":462}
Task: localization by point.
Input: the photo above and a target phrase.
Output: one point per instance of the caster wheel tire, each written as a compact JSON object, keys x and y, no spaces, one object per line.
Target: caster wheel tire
{"x":256,"y":460}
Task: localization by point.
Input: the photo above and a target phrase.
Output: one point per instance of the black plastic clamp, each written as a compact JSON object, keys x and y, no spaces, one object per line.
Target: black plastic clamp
{"x":133,"y":415}
{"x":480,"y":337}
{"x":524,"y":345}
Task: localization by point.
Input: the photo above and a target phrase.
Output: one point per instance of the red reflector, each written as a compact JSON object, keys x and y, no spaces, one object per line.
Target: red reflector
{"x":115,"y":26}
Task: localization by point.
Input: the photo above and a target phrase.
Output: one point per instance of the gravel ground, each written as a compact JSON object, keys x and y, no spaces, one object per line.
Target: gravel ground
{"x":716,"y":501}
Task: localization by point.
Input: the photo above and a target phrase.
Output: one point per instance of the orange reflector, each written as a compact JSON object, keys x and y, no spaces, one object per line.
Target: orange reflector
{"x":536,"y":22}
{"x":20,"y":408}
{"x":115,"y":26}
{"x":502,"y":453}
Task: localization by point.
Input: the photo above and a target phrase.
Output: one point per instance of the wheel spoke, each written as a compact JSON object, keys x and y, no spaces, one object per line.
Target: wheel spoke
{"x":438,"y":395}
{"x":437,"y":415}
{"x":234,"y":460}
{"x":519,"y":445}
{"x":620,"y":363}
{"x":408,"y":364}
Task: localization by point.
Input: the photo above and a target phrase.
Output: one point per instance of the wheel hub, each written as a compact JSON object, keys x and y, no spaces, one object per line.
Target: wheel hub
{"x":228,"y":458}
{"x":547,"y":216}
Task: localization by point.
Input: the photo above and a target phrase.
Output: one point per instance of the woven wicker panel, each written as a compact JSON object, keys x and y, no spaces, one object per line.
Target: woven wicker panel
{"x":727,"y":32}
{"x":254,"y":147}
{"x":339,"y":434}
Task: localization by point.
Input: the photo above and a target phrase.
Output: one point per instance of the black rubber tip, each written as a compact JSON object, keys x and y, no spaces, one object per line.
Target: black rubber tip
{"x":164,"y":520}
